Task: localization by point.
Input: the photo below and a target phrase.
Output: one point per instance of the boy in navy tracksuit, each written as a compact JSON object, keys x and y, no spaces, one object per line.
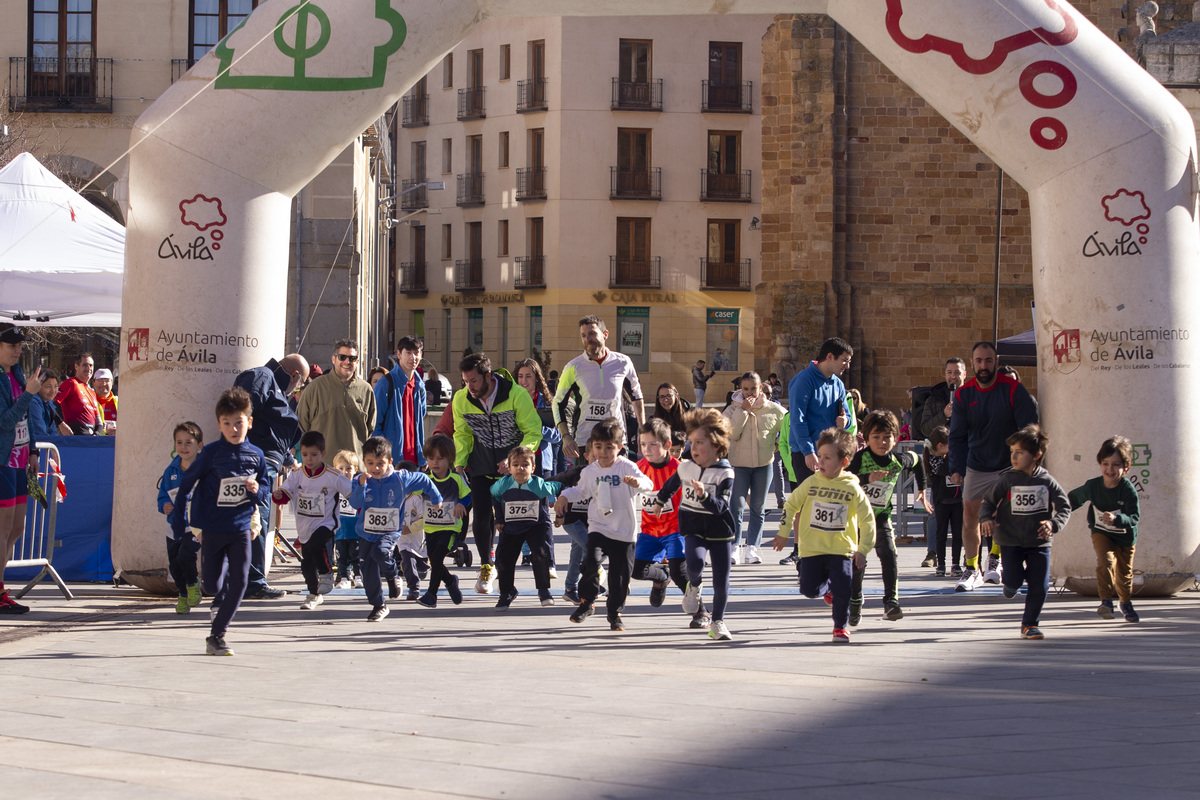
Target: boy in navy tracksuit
{"x":227,"y":481}
{"x":523,"y":517}
{"x":181,"y":551}
{"x":380,"y":493}
{"x":444,"y":527}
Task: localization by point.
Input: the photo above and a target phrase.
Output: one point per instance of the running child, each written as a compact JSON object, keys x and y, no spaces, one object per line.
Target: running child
{"x":574,"y":524}
{"x":705,"y":517}
{"x":181,"y":551}
{"x":660,"y":539}
{"x":612,"y":483}
{"x":522,"y":516}
{"x":226,"y":483}
{"x":345,"y":540}
{"x":443,"y":526}
{"x":313,"y":492}
{"x":1022,"y":511}
{"x":834,"y":525}
{"x":944,"y":501}
{"x":1113,"y":520}
{"x":878,"y":467}
{"x":380,"y":492}
{"x":410,"y":549}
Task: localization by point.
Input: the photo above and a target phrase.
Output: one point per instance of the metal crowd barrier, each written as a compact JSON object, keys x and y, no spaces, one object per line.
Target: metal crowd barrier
{"x":907,"y":494}
{"x":36,"y":546}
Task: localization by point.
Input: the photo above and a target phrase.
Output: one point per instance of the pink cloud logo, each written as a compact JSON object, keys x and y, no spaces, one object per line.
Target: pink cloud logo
{"x":1125,"y":207}
{"x":1001,"y":49}
{"x":202,"y":212}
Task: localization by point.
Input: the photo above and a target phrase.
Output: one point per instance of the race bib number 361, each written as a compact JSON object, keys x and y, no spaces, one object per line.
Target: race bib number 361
{"x":830,"y":517}
{"x":232,"y":491}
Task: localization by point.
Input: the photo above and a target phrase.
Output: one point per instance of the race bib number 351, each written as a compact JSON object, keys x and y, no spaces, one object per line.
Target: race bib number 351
{"x":310,"y":505}
{"x":232,"y":491}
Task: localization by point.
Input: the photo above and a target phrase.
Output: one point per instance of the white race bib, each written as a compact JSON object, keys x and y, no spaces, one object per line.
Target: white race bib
{"x":691,"y":498}
{"x":521,"y":510}
{"x":829,"y":517}
{"x":310,"y":505}
{"x":1029,"y":499}
{"x":581,"y":506}
{"x":595,"y":410}
{"x":381,"y":520}
{"x":232,"y":491}
{"x":22,"y":433}
{"x":171,"y":494}
{"x":879,"y":493}
{"x":439,"y":516}
{"x":344,"y":507}
{"x":649,"y":505}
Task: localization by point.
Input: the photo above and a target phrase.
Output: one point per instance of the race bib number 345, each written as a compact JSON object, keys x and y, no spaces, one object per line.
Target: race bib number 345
{"x":232,"y":491}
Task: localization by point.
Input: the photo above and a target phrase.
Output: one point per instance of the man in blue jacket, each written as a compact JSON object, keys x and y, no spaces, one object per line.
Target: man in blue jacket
{"x":276,"y":431}
{"x":400,"y":404}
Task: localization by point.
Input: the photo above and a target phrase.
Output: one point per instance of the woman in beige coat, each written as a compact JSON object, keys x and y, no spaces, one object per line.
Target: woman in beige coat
{"x":754,"y":421}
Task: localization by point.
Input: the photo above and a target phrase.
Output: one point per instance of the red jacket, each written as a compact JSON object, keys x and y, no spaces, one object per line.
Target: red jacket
{"x":668,"y":523}
{"x":79,"y":403}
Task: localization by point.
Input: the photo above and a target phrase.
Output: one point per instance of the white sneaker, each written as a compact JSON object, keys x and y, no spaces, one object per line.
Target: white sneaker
{"x":718,"y":632}
{"x":325,"y":583}
{"x":358,"y":582}
{"x":970,"y":580}
{"x":487,"y":579}
{"x":691,"y":599}
{"x":737,"y":556}
{"x":752,"y":556}
{"x":312,"y":602}
{"x":344,"y":583}
{"x":553,"y":574}
{"x":993,"y":572}
{"x":603,"y":576}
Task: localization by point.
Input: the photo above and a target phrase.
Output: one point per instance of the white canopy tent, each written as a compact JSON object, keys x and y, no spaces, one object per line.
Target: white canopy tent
{"x":61,"y":259}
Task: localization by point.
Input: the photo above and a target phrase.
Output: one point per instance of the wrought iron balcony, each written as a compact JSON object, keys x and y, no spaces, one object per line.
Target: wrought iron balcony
{"x":725,"y":275}
{"x":470,"y":189}
{"x":415,"y":111}
{"x":414,"y":194}
{"x":471,"y":103}
{"x":531,"y":183}
{"x":531,"y":272}
{"x":624,"y":273}
{"x":412,"y":278}
{"x":727,"y":98}
{"x":637,"y":95}
{"x":179,"y":66}
{"x":77,"y":85}
{"x":729,"y":187}
{"x":531,"y":95}
{"x":468,"y":275}
{"x":635,"y":184}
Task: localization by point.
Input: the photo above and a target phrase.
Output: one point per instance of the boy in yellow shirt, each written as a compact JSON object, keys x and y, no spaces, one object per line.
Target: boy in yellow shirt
{"x":834,"y":526}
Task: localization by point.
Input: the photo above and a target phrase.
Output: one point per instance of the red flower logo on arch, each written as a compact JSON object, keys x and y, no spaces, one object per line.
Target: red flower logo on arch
{"x":202,"y":213}
{"x":1001,"y":49}
{"x":1125,"y":207}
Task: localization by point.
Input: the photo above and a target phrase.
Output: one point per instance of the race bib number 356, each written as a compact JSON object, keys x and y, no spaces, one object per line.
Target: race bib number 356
{"x":232,"y":491}
{"x":1029,"y":499}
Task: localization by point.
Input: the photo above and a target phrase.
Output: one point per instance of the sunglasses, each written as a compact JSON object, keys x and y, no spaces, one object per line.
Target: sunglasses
{"x":344,"y":357}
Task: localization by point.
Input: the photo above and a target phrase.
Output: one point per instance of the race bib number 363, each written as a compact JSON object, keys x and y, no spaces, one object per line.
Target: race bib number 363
{"x":232,"y":491}
{"x":381,"y":520}
{"x":1029,"y":499}
{"x":830,"y":517}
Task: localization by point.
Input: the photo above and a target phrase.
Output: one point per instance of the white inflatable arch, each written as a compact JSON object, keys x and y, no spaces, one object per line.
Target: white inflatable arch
{"x":1106,"y":154}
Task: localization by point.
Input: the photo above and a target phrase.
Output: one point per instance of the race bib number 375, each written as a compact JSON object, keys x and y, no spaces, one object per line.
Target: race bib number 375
{"x":521,"y":510}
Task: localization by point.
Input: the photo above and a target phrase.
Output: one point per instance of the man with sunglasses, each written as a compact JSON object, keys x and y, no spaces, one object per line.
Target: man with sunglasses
{"x":339,"y":404}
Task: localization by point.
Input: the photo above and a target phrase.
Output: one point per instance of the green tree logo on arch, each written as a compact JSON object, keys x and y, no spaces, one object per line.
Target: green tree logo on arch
{"x":296,"y":55}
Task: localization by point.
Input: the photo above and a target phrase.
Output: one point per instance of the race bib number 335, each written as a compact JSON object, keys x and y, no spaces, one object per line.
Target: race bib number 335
{"x":232,"y":491}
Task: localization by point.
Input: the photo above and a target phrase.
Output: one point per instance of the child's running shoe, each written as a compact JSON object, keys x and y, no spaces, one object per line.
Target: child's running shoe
{"x":10,"y":606}
{"x":393,"y":588}
{"x":311,"y":602}
{"x":1105,"y":609}
{"x":344,"y":583}
{"x":956,"y":571}
{"x":970,"y":580}
{"x":658,"y":592}
{"x":700,"y":620}
{"x":215,"y":646}
{"x":357,"y":582}
{"x":930,"y":560}
{"x":718,"y":632}
{"x":506,"y":600}
{"x":571,"y":596}
{"x":553,"y":572}
{"x":546,"y":598}
{"x":940,"y":572}
{"x":993,"y":572}
{"x":615,"y":623}
{"x":1130,"y":614}
{"x":841,"y":636}
{"x":691,"y":598}
{"x":453,"y":590}
{"x":855,"y":611}
{"x":1031,"y":632}
{"x":487,"y":576}
{"x":193,"y":594}
{"x":182,"y":606}
{"x":428,"y":600}
{"x":413,"y":594}
{"x":1010,"y":591}
{"x":584,"y":611}
{"x":378,"y":613}
{"x":892,"y":612}
{"x":828,"y":598}
{"x":325,"y":583}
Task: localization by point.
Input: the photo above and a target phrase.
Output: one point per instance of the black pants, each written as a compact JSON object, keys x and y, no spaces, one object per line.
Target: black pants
{"x":226,"y":564}
{"x":438,"y":545}
{"x":483,"y":520}
{"x":885,"y":548}
{"x":181,"y":561}
{"x":410,"y":567}
{"x":949,"y":515}
{"x":347,"y":558}
{"x":620,"y":568}
{"x":314,"y":557}
{"x":508,"y":550}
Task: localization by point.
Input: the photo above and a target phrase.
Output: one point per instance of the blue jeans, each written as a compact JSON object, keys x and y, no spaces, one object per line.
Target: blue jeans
{"x":578,"y":532}
{"x":1027,"y":565}
{"x":259,"y":548}
{"x":756,"y":481}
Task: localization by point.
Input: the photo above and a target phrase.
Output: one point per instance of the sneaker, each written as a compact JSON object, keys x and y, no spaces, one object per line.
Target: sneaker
{"x":553,"y":573}
{"x":266,"y":593}
{"x":357,"y":582}
{"x":412,"y":595}
{"x":752,"y":556}
{"x":718,"y":632}
{"x":955,"y":571}
{"x":736,"y":558}
{"x":892,"y":613}
{"x":506,"y":600}
{"x":325,"y":583}
{"x":453,"y":590}
{"x":312,"y":602}
{"x":700,"y":620}
{"x":526,"y":560}
{"x":1130,"y":614}
{"x":615,"y":623}
{"x":1031,"y":632}
{"x":930,"y":560}
{"x":603,"y":580}
{"x":571,"y":596}
{"x":940,"y":572}
{"x":215,"y":646}
{"x":584,"y":611}
{"x":182,"y":606}
{"x":970,"y":580}
{"x":487,"y":576}
{"x":658,"y":593}
{"x":546,"y":598}
{"x":378,"y":613}
{"x":691,"y":598}
{"x":212,"y":612}
{"x":792,"y":559}
{"x":841,"y":636}
{"x":1010,"y":592}
{"x":343,"y":583}
{"x":828,"y":598}
{"x":993,"y":572}
{"x":393,"y":588}
{"x":428,"y":600}
{"x":855,"y":611}
{"x":1105,"y":609}
{"x":193,"y":594}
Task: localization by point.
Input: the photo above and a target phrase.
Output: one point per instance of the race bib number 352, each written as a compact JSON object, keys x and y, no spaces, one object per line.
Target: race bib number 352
{"x":232,"y":491}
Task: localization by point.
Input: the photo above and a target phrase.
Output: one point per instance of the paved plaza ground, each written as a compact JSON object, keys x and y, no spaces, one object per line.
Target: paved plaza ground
{"x":110,"y":696}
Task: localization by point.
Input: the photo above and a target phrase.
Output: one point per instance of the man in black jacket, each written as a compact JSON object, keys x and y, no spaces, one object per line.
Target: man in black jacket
{"x":936,"y":410}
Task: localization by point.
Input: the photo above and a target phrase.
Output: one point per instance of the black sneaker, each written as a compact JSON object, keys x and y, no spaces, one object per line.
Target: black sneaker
{"x":1105,"y":609}
{"x":792,"y":559}
{"x":700,"y":620}
{"x":266,"y":593}
{"x":855,"y":611}
{"x":377,"y":613}
{"x":393,"y":588}
{"x":956,"y":571}
{"x":892,"y":613}
{"x":1009,"y":592}
{"x":215,"y":646}
{"x":429,"y":600}
{"x":506,"y":600}
{"x":413,"y":594}
{"x":1130,"y":614}
{"x":615,"y":623}
{"x":571,"y":596}
{"x":585,"y":610}
{"x":10,"y":606}
{"x":940,"y":572}
{"x":453,"y":590}
{"x":658,"y":592}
